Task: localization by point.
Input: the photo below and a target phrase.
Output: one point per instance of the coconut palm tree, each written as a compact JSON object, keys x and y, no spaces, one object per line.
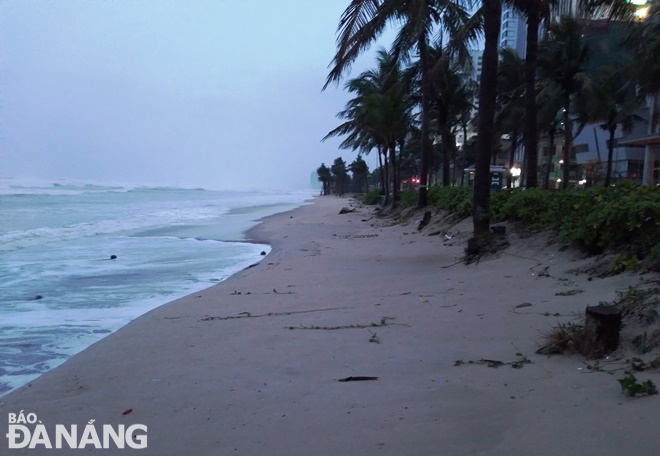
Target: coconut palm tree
{"x":535,"y":11}
{"x":646,"y":38}
{"x":325,"y":177}
{"x":492,"y":16}
{"x":360,"y":171}
{"x":550,"y":120}
{"x":451,"y":99}
{"x":511,"y":112}
{"x":380,"y":111}
{"x":358,"y":125}
{"x":564,"y":69}
{"x":338,"y":170}
{"x":612,"y":97}
{"x":364,"y":20}
{"x":613,"y":105}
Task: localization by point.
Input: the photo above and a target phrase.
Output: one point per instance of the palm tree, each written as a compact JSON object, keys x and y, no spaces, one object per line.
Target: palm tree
{"x":451,"y":99}
{"x":379,"y":114}
{"x":535,"y":11}
{"x":325,"y":177}
{"x":338,"y":170}
{"x":612,"y":97}
{"x":647,"y":40}
{"x":360,"y":171}
{"x":358,"y":126}
{"x":510,"y":96}
{"x":364,"y":20}
{"x":492,"y":15}
{"x":549,"y":121}
{"x":564,"y":59}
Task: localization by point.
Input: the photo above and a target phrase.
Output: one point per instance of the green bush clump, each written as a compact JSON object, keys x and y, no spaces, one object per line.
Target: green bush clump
{"x":372,"y":197}
{"x":534,"y":207}
{"x":454,"y":199}
{"x":408,"y":198}
{"x":596,"y":219}
{"x":600,"y":218}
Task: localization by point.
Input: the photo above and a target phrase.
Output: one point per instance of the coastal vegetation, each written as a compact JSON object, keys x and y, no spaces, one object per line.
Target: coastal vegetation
{"x":593,"y":219}
{"x":422,"y":94}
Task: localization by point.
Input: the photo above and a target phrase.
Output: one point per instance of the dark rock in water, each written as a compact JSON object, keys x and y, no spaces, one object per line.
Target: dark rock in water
{"x":38,"y":297}
{"x":113,"y":257}
{"x":263,"y":253}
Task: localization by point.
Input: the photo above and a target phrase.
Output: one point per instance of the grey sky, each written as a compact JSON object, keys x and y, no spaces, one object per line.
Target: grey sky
{"x":213,"y":93}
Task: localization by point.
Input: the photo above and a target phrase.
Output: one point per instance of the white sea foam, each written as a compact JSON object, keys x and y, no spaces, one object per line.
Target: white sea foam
{"x":57,"y":246}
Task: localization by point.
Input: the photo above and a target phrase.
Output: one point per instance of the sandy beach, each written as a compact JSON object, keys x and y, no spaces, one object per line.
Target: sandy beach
{"x":251,"y":366}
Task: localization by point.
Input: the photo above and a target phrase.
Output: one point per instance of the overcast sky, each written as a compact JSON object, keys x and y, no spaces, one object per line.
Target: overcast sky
{"x":211,"y":93}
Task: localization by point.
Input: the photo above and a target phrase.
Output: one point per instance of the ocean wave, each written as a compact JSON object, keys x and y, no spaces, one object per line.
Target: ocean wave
{"x":129,"y":222}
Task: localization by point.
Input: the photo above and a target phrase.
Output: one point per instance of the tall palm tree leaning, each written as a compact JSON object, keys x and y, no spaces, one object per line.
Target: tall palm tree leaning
{"x":363,"y":21}
{"x":492,"y":16}
{"x":380,"y":111}
{"x":325,"y":177}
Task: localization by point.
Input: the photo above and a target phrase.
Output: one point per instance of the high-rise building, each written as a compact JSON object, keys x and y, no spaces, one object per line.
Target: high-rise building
{"x":476,"y":61}
{"x":513,"y":32}
{"x":476,"y":58}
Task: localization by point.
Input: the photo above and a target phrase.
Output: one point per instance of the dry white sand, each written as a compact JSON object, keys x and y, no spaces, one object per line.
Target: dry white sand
{"x":250,"y":386}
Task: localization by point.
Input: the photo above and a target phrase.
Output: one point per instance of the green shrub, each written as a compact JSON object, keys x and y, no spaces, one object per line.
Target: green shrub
{"x":372,"y":197}
{"x":454,"y":199}
{"x":534,"y":207}
{"x":408,"y":198}
{"x":595,"y":219}
{"x":600,"y":218}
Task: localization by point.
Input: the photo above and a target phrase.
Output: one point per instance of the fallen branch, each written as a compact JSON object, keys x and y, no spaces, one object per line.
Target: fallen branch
{"x":453,"y":264}
{"x":270,"y":314}
{"x":383,"y":322}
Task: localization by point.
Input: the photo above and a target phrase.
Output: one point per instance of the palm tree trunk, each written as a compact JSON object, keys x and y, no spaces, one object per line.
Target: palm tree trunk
{"x":487,"y":94}
{"x":426,"y":119}
{"x":446,"y":149}
{"x":610,"y":156}
{"x":649,"y":153}
{"x":568,"y":134}
{"x":551,"y":133}
{"x":512,"y":156}
{"x":531,"y":128}
{"x":402,"y":143}
{"x":395,"y":183}
{"x":387,"y":177}
{"x":383,"y":190}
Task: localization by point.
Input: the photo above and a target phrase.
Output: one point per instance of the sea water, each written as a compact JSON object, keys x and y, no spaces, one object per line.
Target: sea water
{"x":60,"y":291}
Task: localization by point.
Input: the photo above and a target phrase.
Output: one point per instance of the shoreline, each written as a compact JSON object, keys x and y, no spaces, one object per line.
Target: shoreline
{"x":250,"y":365}
{"x":165,"y":298}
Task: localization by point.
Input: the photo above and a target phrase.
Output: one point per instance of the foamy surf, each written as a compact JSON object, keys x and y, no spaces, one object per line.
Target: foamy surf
{"x":60,"y":291}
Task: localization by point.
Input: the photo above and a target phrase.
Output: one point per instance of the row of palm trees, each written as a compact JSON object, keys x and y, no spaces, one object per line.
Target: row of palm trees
{"x":336,"y":179}
{"x":421,"y":87}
